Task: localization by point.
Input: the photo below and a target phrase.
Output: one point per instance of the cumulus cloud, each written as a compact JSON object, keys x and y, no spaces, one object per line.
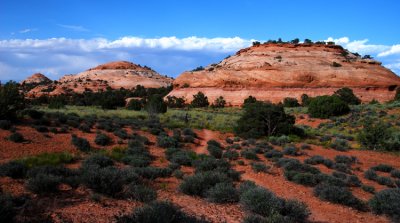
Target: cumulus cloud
{"x":168,"y":55}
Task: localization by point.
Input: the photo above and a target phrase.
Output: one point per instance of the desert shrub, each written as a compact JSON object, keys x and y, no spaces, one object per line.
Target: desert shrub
{"x":346,"y":94}
{"x":231,"y":154}
{"x":97,"y":161}
{"x":342,"y":168}
{"x":290,"y":102}
{"x":7,"y":208}
{"x":152,"y":173}
{"x":165,"y":141}
{"x":340,"y":145}
{"x":265,"y":119}
{"x":141,"y":193}
{"x":215,"y":151}
{"x":259,"y":167}
{"x":178,"y":174}
{"x":249,"y":100}
{"x":279,"y":141}
{"x":179,"y":156}
{"x":314,"y":160}
{"x":16,"y":137}
{"x":353,"y":181}
{"x":135,"y":105}
{"x":291,"y":150}
{"x":265,"y":203}
{"x":387,"y":202}
{"x":5,"y":124}
{"x":383,"y":168}
{"x":254,"y":218}
{"x":156,"y":105}
{"x":107,"y":180}
{"x":245,"y":186}
{"x":327,"y":106}
{"x":200,"y":183}
{"x":11,"y":101}
{"x":84,"y":128}
{"x":13,"y":169}
{"x":305,"y":147}
{"x":249,"y":154}
{"x":219,"y":102}
{"x":229,"y":140}
{"x":370,"y":174}
{"x":222,"y":193}
{"x":80,"y":143}
{"x":367,"y":188}
{"x":44,"y":183}
{"x":348,"y":160}
{"x":385,"y":181}
{"x":306,"y":179}
{"x":338,"y":195}
{"x":175,"y":102}
{"x":158,"y":212}
{"x":121,"y":133}
{"x":189,"y":132}
{"x":273,"y":154}
{"x":395,"y":173}
{"x":374,"y":136}
{"x":102,"y":139}
{"x":137,"y":160}
{"x":199,"y":100}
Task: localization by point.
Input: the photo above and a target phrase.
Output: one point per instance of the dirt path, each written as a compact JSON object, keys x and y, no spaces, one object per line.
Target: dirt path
{"x":204,"y":136}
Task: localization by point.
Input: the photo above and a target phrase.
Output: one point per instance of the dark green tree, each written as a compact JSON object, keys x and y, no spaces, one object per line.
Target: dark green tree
{"x":175,"y":102}
{"x":156,"y":105}
{"x":219,"y":102}
{"x":347,"y":95}
{"x":290,"y":102}
{"x":374,"y":136}
{"x":305,"y":100}
{"x":249,"y":100}
{"x":11,"y":100}
{"x":264,"y":119}
{"x":327,"y":106}
{"x":135,"y":104}
{"x":200,"y":100}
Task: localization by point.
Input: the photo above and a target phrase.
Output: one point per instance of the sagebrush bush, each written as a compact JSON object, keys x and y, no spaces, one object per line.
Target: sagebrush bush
{"x":97,"y":161}
{"x":215,"y":151}
{"x":7,"y":208}
{"x":387,"y":202}
{"x":249,"y":154}
{"x":231,"y":154}
{"x":259,"y":167}
{"x":16,"y":137}
{"x":102,"y":139}
{"x":395,"y":173}
{"x":367,"y":188}
{"x":200,"y":183}
{"x":141,"y":193}
{"x":291,"y":151}
{"x":121,"y":133}
{"x":152,"y":173}
{"x":107,"y":180}
{"x":383,"y":168}
{"x":13,"y":169}
{"x":348,"y":160}
{"x":43,"y":183}
{"x":165,"y":141}
{"x":340,"y":145}
{"x":339,"y":195}
{"x":370,"y":174}
{"x":223,"y":193}
{"x":273,"y":154}
{"x":382,"y":180}
{"x":80,"y":143}
{"x":158,"y":212}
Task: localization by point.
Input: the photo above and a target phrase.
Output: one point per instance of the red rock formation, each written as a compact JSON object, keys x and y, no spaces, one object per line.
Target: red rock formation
{"x":36,"y":78}
{"x":272,"y":72}
{"x":119,"y":74}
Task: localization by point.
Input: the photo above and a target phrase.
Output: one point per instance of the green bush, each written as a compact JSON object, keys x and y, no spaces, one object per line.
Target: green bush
{"x":175,"y":102}
{"x":141,"y":193}
{"x":367,"y":188}
{"x":107,"y":180}
{"x":375,"y":136}
{"x":291,"y":151}
{"x":249,"y":154}
{"x":7,"y":208}
{"x":158,"y":212}
{"x":264,"y":119}
{"x":44,"y":183}
{"x":80,"y":143}
{"x":387,"y":202}
{"x":47,"y":159}
{"x":340,"y":145}
{"x":156,"y":105}
{"x":97,"y":161}
{"x":13,"y":169}
{"x":273,"y":154}
{"x":339,"y":195}
{"x":215,"y":151}
{"x":346,"y":94}
{"x":327,"y":106}
{"x":370,"y":174}
{"x":11,"y":101}
{"x":165,"y":141}
{"x":383,"y":168}
{"x":290,"y":102}
{"x":135,"y":105}
{"x":395,"y":173}
{"x":382,"y":180}
{"x":219,"y":102}
{"x":200,"y":100}
{"x":102,"y":139}
{"x":16,"y":137}
{"x":152,"y":173}
{"x":200,"y":183}
{"x":259,"y":167}
{"x":222,"y":193}
{"x":231,"y":154}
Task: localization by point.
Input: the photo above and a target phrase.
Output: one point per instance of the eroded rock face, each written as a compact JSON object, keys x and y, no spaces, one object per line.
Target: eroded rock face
{"x":271,"y":72}
{"x":120,"y":74}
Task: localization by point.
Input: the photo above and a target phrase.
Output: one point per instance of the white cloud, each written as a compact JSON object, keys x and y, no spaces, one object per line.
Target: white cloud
{"x":168,"y":55}
{"x":74,"y":28}
{"x":26,"y":31}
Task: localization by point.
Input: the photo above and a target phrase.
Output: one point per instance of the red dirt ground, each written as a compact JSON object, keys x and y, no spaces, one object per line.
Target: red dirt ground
{"x":75,"y":205}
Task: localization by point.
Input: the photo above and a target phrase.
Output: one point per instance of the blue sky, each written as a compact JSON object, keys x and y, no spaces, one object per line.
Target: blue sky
{"x":62,"y":37}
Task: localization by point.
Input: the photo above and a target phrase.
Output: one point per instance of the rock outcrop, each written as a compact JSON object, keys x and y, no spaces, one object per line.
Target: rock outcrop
{"x":272,"y":72}
{"x":120,"y":74}
{"x":37,"y":79}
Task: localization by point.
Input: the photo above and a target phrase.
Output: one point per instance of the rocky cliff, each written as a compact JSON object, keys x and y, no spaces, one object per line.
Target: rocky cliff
{"x":272,"y":72}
